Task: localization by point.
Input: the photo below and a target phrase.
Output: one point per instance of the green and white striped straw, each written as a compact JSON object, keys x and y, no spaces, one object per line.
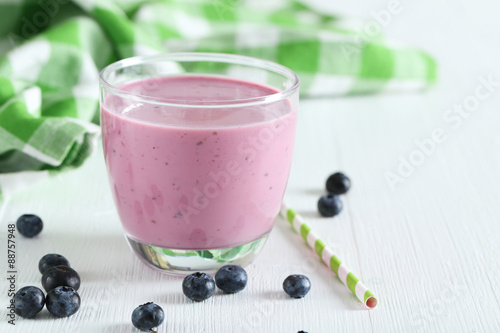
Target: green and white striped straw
{"x":328,"y":257}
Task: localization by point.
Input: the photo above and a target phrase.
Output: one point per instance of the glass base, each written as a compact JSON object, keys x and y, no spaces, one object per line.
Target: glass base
{"x":184,"y":262}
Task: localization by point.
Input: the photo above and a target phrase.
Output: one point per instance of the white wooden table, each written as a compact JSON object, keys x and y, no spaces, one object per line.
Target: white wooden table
{"x":429,"y":246}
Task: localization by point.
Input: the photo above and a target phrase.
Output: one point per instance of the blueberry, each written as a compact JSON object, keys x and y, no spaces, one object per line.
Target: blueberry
{"x":330,"y":205}
{"x":29,"y":225}
{"x":63,"y":301}
{"x":147,"y":316}
{"x":231,"y":279}
{"x":296,"y":285}
{"x":198,"y":286}
{"x":28,"y":301}
{"x":51,"y":260}
{"x":338,"y":183}
{"x":60,"y":276}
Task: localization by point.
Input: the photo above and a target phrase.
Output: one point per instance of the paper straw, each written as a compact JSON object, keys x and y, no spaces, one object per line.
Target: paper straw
{"x":328,"y":257}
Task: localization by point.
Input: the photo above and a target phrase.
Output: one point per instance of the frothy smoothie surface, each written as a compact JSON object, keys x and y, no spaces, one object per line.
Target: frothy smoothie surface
{"x":197,"y":178}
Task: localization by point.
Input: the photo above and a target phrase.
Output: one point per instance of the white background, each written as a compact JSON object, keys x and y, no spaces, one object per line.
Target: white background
{"x":429,"y":247}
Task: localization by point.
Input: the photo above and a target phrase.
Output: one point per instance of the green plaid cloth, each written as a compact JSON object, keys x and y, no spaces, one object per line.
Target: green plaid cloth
{"x":52,"y":50}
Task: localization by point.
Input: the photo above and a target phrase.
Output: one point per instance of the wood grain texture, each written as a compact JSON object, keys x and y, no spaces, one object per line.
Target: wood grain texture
{"x":428,"y":249}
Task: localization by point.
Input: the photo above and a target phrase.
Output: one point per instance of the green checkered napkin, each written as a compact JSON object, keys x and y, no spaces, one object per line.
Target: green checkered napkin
{"x":52,"y":50}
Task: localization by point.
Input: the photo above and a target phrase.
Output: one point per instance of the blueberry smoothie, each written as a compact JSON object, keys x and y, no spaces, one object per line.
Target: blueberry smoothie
{"x":191,"y":178}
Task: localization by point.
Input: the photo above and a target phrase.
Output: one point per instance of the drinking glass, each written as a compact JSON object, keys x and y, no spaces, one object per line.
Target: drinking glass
{"x":198,"y":148}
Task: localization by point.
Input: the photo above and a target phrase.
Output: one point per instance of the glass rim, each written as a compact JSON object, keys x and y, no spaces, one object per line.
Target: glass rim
{"x":266,"y":65}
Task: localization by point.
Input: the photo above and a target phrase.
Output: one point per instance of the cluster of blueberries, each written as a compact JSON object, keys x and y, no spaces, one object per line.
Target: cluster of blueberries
{"x":200,"y":286}
{"x":59,"y":280}
{"x":330,"y":204}
{"x":61,"y":283}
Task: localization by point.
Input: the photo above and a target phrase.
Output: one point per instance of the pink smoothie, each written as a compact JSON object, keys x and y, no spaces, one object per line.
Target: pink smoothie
{"x":193,"y":178}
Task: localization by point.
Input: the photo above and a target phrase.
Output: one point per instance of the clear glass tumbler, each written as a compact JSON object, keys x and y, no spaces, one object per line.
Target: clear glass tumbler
{"x":198,"y":148}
